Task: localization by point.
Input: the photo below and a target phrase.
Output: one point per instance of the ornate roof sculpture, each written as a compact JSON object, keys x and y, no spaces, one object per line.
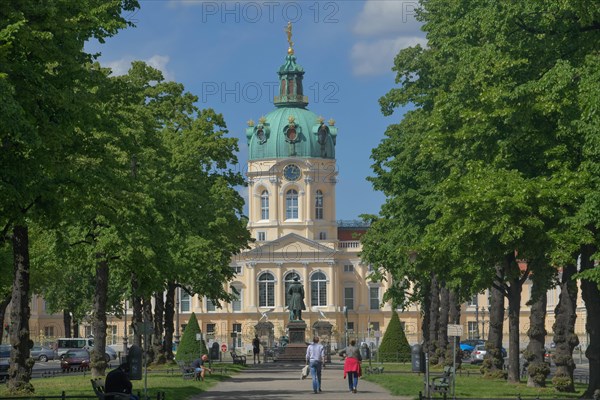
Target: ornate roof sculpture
{"x":291,"y":130}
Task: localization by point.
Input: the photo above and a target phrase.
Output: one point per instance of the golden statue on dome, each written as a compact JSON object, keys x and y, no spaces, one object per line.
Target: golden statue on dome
{"x":288,"y":30}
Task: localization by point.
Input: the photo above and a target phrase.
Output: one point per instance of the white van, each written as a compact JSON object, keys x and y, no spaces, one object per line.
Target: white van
{"x":65,"y":344}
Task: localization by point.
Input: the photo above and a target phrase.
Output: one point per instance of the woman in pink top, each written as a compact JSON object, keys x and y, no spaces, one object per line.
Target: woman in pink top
{"x":352,"y":365}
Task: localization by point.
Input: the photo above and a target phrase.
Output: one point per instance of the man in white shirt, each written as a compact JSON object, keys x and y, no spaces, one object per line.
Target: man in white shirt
{"x":315,"y":356}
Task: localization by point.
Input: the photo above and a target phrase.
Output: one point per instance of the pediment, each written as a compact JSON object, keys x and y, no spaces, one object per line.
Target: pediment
{"x":291,"y":247}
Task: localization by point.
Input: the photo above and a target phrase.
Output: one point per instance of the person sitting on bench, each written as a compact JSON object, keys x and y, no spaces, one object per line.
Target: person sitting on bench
{"x":117,"y":381}
{"x":199,"y":368}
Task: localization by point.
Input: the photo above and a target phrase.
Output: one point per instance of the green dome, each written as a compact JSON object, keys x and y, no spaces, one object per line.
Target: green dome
{"x":291,"y":130}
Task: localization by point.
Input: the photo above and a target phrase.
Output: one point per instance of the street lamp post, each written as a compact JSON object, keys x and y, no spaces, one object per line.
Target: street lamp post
{"x":177,"y":295}
{"x":346,"y":324}
{"x":125,"y":330}
{"x":482,"y":322}
{"x":476,"y":316}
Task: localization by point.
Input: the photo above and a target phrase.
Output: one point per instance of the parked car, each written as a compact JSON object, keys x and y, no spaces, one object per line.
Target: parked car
{"x":65,"y":344}
{"x":78,"y":358}
{"x":42,"y":353}
{"x":111,"y":353}
{"x":548,"y":354}
{"x":477,"y":354}
{"x":4,"y":361}
{"x":467,"y":346}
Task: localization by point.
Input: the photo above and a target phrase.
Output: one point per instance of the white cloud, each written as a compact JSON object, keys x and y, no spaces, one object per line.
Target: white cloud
{"x":377,"y":57}
{"x":160,"y":63}
{"x":388,"y":17}
{"x":384,"y":28}
{"x":121,"y":66}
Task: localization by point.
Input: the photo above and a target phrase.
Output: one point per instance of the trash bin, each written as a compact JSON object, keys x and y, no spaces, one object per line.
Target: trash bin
{"x":213,"y":353}
{"x":365,"y":352}
{"x":134,"y":359}
{"x":417,"y":358}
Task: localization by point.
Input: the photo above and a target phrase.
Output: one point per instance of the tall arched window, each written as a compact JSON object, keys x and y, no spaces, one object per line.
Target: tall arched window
{"x":319,"y":205}
{"x":291,"y":204}
{"x":266,"y":290}
{"x":264,"y":205}
{"x":289,"y":279}
{"x":318,"y":289}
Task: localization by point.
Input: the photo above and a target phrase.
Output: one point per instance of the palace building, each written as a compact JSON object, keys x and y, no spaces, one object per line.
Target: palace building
{"x":292,"y":177}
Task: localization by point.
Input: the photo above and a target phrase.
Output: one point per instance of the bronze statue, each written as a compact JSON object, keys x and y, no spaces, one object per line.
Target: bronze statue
{"x":288,"y":31}
{"x":296,"y":292}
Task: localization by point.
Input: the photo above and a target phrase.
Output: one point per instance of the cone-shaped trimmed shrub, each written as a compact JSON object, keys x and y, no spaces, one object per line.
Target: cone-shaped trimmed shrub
{"x":189,"y":348}
{"x":394,"y":346}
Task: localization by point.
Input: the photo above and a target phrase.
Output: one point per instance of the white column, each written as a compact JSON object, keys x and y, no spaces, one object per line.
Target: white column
{"x":279,"y":285}
{"x":252,"y":285}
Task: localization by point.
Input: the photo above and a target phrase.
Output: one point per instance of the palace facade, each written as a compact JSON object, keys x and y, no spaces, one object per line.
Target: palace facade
{"x":292,"y":177}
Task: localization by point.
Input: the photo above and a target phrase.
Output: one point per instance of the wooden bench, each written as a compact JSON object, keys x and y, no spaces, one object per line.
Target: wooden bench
{"x":98,"y":386}
{"x":444,"y":382}
{"x":237,"y":359}
{"x":187,"y":372}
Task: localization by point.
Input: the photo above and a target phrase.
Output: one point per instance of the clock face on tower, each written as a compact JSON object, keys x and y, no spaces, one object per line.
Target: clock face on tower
{"x":291,"y":172}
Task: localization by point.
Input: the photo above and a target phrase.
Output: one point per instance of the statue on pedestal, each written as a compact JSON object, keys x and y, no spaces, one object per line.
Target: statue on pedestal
{"x":296,"y":292}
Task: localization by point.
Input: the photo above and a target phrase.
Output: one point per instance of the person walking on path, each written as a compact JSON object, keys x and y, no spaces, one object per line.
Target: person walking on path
{"x":352,"y":365}
{"x":315,"y":355}
{"x":281,"y":381}
{"x":256,"y":348}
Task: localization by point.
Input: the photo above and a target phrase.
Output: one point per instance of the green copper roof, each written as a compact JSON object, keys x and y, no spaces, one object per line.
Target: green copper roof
{"x":291,"y":130}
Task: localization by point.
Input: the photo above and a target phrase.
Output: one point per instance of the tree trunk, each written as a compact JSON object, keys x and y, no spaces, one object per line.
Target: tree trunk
{"x":19,"y":372}
{"x":564,"y":331}
{"x":137,"y":316}
{"x":591,"y":297}
{"x":147,"y":309}
{"x":169,"y":315}
{"x":443,"y":324}
{"x":493,"y":362}
{"x":75,"y":328}
{"x":157,"y":339}
{"x":3,"y":305}
{"x":537,"y":370}
{"x":434,"y":320}
{"x":454,"y":318}
{"x":514,"y":311}
{"x":67,"y":323}
{"x":97,"y":361}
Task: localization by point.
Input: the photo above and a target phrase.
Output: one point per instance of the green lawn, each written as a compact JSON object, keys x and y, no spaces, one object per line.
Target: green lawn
{"x":165,"y":378}
{"x":398,"y":379}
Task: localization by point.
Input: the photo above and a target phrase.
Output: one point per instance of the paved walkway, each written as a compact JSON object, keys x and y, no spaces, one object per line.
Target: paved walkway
{"x":282,"y":381}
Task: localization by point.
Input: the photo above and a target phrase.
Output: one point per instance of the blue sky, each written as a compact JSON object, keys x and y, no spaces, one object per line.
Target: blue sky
{"x":227,"y":53}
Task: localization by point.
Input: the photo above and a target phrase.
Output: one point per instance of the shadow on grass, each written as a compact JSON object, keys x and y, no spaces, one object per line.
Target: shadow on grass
{"x":163,"y":378}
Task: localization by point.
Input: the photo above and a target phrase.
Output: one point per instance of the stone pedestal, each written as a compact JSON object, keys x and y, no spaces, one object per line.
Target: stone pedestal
{"x":296,"y":348}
